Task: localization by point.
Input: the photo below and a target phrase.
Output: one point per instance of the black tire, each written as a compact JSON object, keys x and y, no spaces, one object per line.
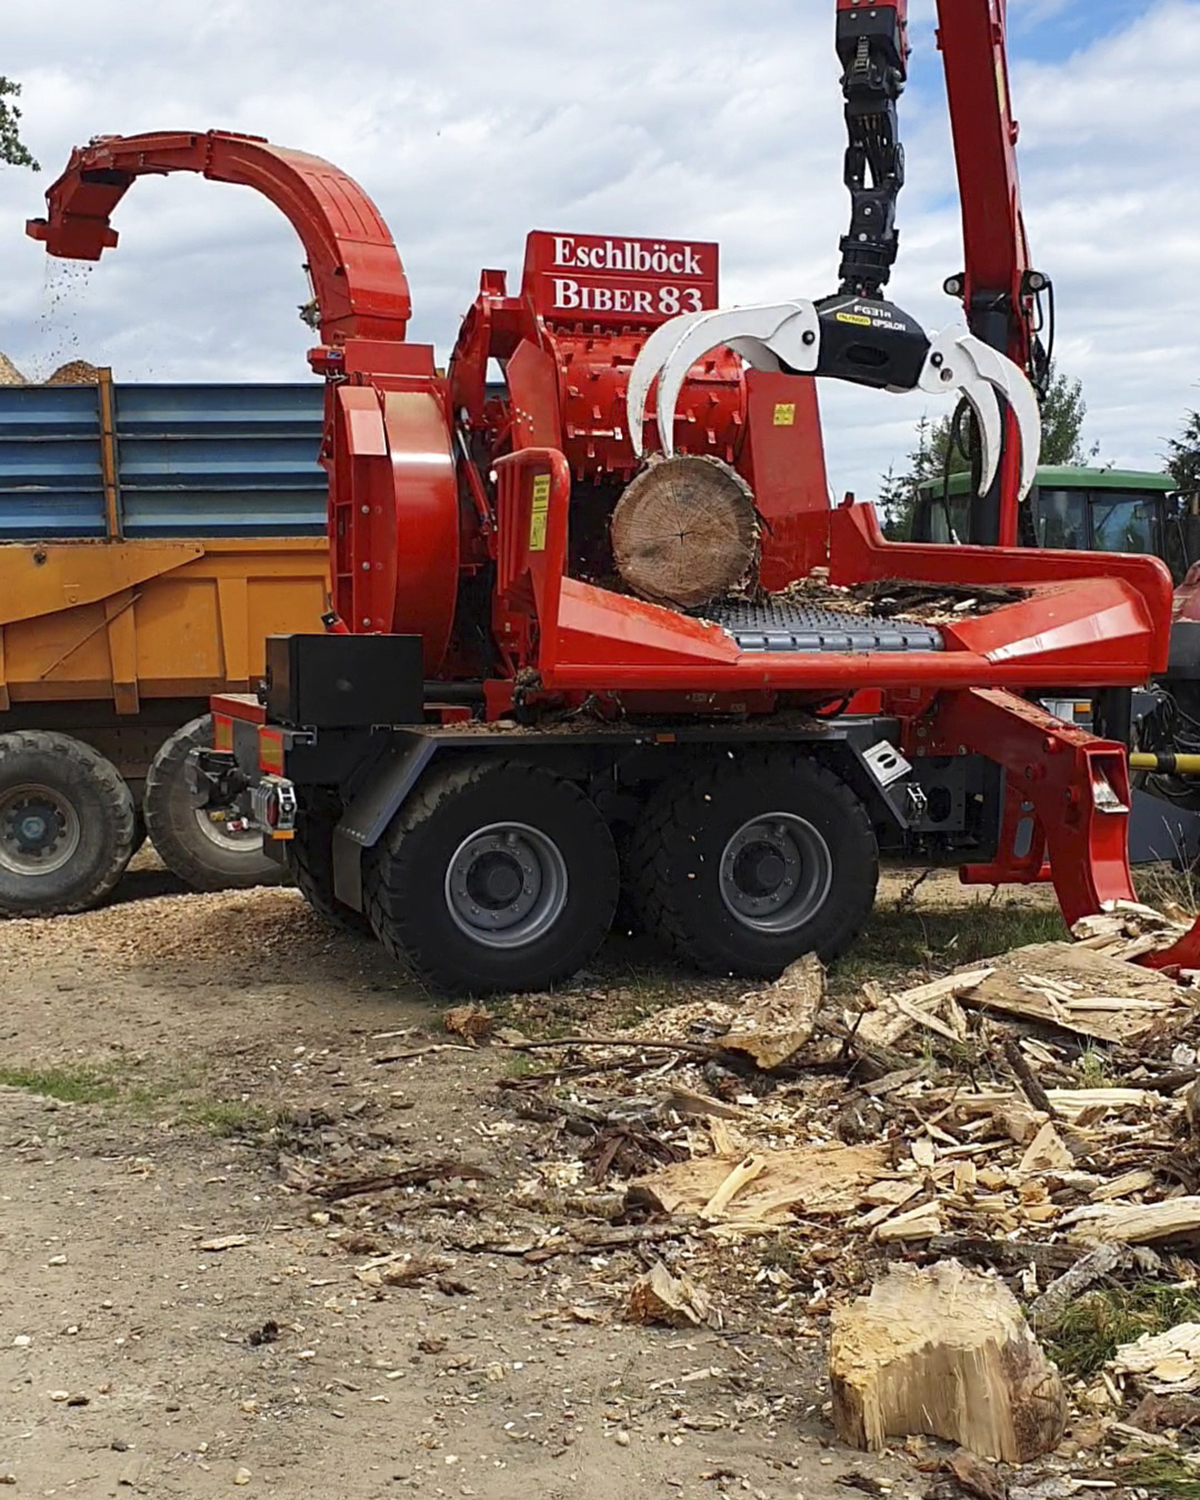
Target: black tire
{"x":67,"y":825}
{"x":188,"y":843}
{"x":310,"y":858}
{"x":503,"y":822}
{"x":802,"y":882}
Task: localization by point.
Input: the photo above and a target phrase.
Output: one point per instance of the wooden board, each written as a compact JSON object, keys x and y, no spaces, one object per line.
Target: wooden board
{"x":801,"y":1181}
{"x":1077,"y":989}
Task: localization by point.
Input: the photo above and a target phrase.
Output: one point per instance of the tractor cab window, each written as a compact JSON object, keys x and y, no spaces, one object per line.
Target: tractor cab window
{"x":1124,"y":522}
{"x":941,"y":514}
{"x":1060,"y":518}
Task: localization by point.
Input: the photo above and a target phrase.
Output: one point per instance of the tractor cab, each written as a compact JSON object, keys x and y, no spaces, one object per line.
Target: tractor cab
{"x":1079,"y":509}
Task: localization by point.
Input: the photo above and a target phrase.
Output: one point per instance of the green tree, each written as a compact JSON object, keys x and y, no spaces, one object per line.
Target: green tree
{"x":1183,"y":454}
{"x":940,"y":450}
{"x":13,"y":150}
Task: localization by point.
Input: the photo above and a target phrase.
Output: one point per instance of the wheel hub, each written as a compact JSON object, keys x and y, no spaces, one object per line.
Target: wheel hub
{"x":39,"y":830}
{"x":506,"y":885}
{"x":219,"y":827}
{"x":775,"y":872}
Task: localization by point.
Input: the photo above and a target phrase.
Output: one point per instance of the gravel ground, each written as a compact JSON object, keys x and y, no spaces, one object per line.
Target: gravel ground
{"x":172,"y":1067}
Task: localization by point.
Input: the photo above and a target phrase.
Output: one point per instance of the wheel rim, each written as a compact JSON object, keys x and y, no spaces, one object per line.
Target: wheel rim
{"x":39,"y":830}
{"x":775,"y":873}
{"x":506,"y":885}
{"x":216,"y":832}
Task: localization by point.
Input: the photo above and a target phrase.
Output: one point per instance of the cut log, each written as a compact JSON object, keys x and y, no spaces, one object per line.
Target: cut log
{"x":1087,"y":1270}
{"x":944,"y":1352}
{"x":685,"y":531}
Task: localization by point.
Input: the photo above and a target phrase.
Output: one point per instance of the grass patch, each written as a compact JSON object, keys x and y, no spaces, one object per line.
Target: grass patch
{"x":1090,"y":1330}
{"x":180,"y":1094}
{"x":230,"y":1118}
{"x":942,"y":937}
{"x":1091,"y":1068}
{"x":1164,"y":1476}
{"x":83,"y":1085}
{"x":1159,"y":884}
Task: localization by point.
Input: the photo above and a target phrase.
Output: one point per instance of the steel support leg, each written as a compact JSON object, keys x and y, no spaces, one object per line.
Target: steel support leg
{"x":1067,"y":789}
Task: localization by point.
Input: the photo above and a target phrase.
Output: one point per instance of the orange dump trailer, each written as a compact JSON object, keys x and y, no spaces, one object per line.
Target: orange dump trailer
{"x":151,"y":538}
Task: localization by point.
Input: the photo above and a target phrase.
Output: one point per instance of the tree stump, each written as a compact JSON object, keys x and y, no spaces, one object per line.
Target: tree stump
{"x":943,"y":1351}
{"x":685,"y":531}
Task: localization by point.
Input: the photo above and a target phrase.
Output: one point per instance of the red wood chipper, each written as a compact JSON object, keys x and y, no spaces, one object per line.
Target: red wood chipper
{"x":495,"y":737}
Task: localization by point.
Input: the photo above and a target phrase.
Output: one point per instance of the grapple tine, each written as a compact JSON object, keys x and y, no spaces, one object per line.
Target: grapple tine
{"x":961,"y":361}
{"x":768,"y":338}
{"x":646,"y":366}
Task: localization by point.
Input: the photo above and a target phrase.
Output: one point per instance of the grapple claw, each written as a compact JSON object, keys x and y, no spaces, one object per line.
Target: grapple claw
{"x":868,"y":342}
{"x":771,"y":337}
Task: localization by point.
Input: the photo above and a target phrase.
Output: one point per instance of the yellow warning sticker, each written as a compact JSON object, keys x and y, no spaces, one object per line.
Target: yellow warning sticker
{"x":785,"y":414}
{"x":538,"y":511}
{"x":845,"y":317}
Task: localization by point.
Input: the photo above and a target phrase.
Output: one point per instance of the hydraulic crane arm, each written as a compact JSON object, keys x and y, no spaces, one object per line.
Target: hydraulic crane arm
{"x":998,"y":286}
{"x":872,"y":45}
{"x":998,"y":283}
{"x":857,"y":335}
{"x":358,"y":281}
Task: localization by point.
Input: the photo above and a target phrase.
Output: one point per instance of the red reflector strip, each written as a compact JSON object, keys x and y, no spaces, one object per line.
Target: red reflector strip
{"x":222,"y":732}
{"x":270,"y":751}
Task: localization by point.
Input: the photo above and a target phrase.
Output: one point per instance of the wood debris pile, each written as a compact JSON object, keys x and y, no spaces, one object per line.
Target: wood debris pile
{"x":1035,"y":1118}
{"x":74,"y":372}
{"x":1014,"y":1138}
{"x":912,"y":603}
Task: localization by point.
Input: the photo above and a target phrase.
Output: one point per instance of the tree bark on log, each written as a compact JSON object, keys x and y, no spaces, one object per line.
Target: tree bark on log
{"x":685,"y":531}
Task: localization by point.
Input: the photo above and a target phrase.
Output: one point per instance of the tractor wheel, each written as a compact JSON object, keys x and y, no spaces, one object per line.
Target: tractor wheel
{"x":495,"y":875}
{"x":310,"y":858}
{"x":744,"y":869}
{"x":190,"y":841}
{"x":67,"y":825}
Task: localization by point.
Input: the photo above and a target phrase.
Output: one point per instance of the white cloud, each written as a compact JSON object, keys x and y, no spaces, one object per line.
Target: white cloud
{"x":471,"y":123}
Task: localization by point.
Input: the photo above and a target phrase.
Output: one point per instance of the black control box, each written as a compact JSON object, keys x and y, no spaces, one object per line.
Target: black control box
{"x":344,"y":681}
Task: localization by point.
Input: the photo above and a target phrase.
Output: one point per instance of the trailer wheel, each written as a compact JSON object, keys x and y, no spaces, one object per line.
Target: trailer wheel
{"x":495,"y":875}
{"x":744,"y":869}
{"x":67,"y":825}
{"x":310,"y":857}
{"x":190,"y":841}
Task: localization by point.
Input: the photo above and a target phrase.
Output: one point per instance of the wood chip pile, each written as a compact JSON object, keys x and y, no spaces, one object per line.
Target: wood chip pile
{"x":74,"y":372}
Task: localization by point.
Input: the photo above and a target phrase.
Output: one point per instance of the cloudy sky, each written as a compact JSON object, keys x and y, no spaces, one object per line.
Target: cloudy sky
{"x":471,"y":122}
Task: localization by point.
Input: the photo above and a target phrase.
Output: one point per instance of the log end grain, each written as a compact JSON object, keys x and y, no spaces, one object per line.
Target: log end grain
{"x":685,"y":531}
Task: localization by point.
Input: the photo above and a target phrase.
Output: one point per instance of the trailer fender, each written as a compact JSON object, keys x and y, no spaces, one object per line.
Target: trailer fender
{"x":372,"y":808}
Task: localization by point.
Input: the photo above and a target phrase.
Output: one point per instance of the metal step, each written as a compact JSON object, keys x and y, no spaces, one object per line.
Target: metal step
{"x":785,"y":625}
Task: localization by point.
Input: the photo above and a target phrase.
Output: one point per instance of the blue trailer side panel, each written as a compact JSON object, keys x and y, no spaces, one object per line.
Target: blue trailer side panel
{"x":50,"y":475}
{"x":192,"y":461}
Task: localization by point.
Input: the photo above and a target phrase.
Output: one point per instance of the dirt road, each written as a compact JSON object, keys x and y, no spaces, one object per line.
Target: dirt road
{"x":183,"y":1072}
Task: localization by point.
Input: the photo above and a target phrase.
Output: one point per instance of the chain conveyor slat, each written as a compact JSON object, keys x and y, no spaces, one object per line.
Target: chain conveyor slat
{"x":785,"y":625}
